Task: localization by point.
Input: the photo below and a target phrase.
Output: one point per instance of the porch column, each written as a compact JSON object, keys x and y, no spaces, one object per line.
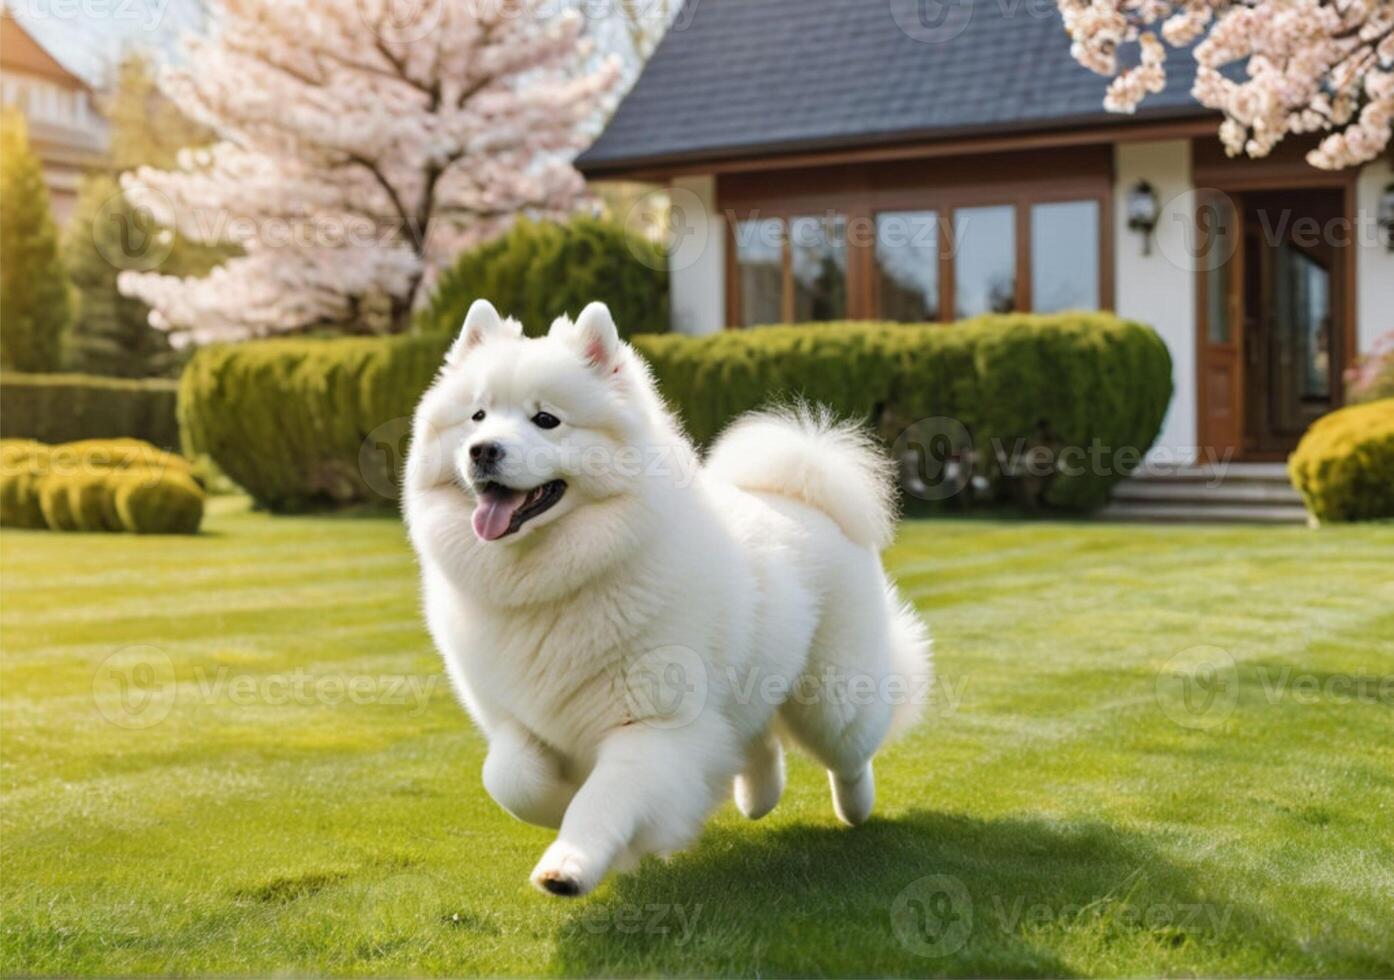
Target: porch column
{"x":696,"y":256}
{"x":1374,"y":263}
{"x":1155,"y":289}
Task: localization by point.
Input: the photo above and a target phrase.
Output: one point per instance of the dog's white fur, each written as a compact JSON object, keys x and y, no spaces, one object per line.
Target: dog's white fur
{"x":643,"y":648}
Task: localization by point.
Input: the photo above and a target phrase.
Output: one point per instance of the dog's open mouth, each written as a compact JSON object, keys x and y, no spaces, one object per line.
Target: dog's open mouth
{"x":502,"y":510}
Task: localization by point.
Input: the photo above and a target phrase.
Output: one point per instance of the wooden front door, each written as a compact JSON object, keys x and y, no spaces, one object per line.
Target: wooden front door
{"x":1293,"y":279}
{"x":1220,"y":324}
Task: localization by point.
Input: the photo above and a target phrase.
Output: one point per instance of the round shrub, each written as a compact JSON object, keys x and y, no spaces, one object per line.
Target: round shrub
{"x":1344,"y":465}
{"x":56,"y":504}
{"x":79,"y":487}
{"x":19,"y":498}
{"x":538,"y":271}
{"x":170,"y":504}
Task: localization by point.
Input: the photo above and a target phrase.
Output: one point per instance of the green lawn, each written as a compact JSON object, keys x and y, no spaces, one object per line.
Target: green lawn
{"x":236,"y":753}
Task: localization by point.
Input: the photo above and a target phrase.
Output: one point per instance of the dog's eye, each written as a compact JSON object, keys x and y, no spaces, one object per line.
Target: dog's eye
{"x":478,"y":416}
{"x":545,"y":421}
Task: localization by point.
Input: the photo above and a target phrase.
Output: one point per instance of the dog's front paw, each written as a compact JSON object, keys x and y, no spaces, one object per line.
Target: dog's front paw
{"x":563,"y":871}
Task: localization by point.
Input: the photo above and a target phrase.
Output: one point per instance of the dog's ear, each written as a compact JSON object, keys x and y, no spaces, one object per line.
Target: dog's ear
{"x":594,"y":336}
{"x":482,"y":322}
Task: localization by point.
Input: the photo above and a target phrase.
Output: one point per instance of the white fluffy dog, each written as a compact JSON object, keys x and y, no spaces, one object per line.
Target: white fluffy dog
{"x":636,"y":630}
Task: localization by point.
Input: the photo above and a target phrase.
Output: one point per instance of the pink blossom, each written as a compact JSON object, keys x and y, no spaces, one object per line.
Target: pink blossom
{"x":358,"y":153}
{"x":1312,"y":66}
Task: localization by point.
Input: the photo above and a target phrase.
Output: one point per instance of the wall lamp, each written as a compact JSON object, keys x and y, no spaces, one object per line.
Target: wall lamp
{"x":1143,"y":211}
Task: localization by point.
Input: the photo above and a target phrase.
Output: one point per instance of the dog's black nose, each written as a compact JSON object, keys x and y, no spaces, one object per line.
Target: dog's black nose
{"x":486,"y":454}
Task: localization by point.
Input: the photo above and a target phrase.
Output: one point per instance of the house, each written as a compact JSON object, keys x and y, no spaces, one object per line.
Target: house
{"x":67,"y":134}
{"x":917,"y":160}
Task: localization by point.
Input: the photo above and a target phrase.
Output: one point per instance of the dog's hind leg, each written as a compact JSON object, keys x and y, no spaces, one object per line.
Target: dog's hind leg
{"x":839,"y":709}
{"x":760,"y":784}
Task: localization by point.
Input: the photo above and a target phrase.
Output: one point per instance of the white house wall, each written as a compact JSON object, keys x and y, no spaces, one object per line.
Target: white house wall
{"x":697,"y":257}
{"x":1158,"y":289}
{"x":1374,"y":269}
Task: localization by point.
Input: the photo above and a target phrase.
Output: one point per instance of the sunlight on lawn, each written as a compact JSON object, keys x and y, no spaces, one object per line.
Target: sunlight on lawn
{"x":237,"y":753}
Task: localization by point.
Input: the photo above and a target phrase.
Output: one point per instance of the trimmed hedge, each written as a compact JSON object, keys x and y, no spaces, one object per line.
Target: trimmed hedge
{"x":58,"y":408}
{"x":97,"y":485}
{"x":1344,"y":465}
{"x":538,"y":271}
{"x":1051,"y":410}
{"x":303,"y":423}
{"x":289,"y":420}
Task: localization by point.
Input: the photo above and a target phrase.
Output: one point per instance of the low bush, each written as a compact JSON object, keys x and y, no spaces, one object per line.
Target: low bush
{"x":98,"y":485}
{"x":58,"y":408}
{"x":539,"y":271}
{"x":290,"y":420}
{"x":1344,"y":465}
{"x":1047,"y":410}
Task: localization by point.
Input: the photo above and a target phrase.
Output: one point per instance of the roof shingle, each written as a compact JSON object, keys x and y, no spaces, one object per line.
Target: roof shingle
{"x":749,"y":77}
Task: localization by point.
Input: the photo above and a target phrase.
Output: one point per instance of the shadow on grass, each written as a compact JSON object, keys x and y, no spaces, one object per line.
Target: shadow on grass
{"x":924,"y":894}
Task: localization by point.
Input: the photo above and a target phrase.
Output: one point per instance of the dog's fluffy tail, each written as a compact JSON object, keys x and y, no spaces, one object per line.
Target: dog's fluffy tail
{"x":807,"y":454}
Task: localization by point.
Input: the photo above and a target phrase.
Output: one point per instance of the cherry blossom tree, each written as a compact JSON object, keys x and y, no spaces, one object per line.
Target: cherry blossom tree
{"x":1311,"y":66}
{"x":362,"y":143}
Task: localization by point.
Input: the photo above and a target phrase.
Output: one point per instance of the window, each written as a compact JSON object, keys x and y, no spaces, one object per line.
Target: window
{"x":760,"y":261}
{"x":984,"y":260}
{"x":1065,"y":256}
{"x":1215,"y":228}
{"x":791,"y":270}
{"x":845,"y":247}
{"x":818,"y":261}
{"x":907,"y":266}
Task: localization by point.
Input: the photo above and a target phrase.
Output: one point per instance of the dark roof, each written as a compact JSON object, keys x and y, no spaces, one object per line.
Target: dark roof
{"x":738,"y":78}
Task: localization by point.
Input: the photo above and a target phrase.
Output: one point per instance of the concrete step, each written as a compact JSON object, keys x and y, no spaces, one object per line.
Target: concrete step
{"x":1184,"y":511}
{"x":1227,"y":473}
{"x":1204,"y":493}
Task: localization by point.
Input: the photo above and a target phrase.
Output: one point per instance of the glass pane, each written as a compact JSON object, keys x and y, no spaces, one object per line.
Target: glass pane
{"x":907,"y":266}
{"x":1215,"y":233}
{"x":818,"y":258}
{"x":984,"y":260}
{"x":1065,"y":256}
{"x":760,"y":265}
{"x":1303,"y":314}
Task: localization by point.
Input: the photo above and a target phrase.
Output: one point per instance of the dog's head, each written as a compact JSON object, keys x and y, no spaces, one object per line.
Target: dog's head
{"x":531,"y":436}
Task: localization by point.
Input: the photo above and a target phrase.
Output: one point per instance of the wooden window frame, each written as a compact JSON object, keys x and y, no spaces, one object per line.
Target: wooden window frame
{"x":859,"y":204}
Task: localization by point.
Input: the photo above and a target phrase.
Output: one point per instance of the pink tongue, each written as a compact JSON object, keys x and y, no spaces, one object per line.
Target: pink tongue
{"x":492,"y":514}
